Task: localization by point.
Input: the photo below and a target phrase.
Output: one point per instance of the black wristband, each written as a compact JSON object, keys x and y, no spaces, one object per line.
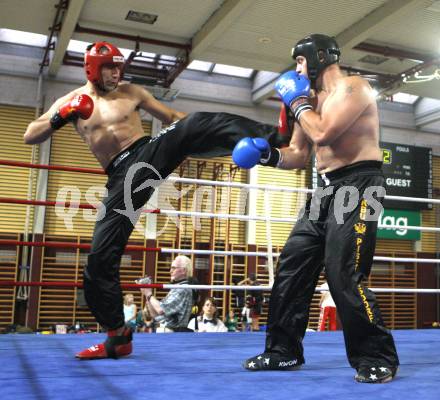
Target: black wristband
{"x":57,"y":121}
{"x":299,"y":106}
{"x":271,"y":159}
{"x":149,"y":297}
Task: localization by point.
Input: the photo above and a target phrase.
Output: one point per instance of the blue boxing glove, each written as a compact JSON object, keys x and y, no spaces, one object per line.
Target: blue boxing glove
{"x":294,"y":90}
{"x":249,"y":152}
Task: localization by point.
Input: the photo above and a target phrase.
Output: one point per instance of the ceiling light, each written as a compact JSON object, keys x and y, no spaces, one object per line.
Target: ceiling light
{"x":138,"y":16}
{"x":372,"y":59}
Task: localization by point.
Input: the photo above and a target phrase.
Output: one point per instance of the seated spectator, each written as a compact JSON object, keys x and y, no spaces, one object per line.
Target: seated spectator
{"x":150,"y":325}
{"x":255,"y":298}
{"x":130,"y":311}
{"x":208,"y":321}
{"x":231,"y":321}
{"x":246,"y":319}
{"x":172,"y":313}
{"x":238,"y":295}
{"x":145,"y":322}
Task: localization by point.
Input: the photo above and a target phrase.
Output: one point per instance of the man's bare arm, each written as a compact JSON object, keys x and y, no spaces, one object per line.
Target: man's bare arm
{"x":339,"y":112}
{"x":298,"y":153}
{"x":157,"y":109}
{"x":40,"y":130}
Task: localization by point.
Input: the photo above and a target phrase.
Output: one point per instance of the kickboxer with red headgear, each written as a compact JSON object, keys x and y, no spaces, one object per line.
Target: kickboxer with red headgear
{"x":102,"y":54}
{"x":105,"y":113}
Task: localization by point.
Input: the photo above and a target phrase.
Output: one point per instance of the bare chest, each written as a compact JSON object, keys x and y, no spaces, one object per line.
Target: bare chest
{"x":110,"y":112}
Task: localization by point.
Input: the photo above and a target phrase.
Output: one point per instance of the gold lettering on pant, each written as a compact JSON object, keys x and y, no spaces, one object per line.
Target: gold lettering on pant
{"x":357,"y":257}
{"x":363,"y":212}
{"x":364,"y":300}
{"x":360,"y":228}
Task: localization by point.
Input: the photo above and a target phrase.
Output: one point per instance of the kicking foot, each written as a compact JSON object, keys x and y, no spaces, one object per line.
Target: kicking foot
{"x":114,"y":347}
{"x":375,"y":374}
{"x":272,"y":361}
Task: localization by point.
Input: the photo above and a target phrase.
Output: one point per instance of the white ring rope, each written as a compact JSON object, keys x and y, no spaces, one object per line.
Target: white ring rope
{"x":280,"y":219}
{"x":231,"y":216}
{"x":239,"y":185}
{"x":406,"y":259}
{"x":413,"y":199}
{"x":410,"y":228}
{"x":284,"y":188}
{"x":267,"y":209}
{"x":264,"y":254}
{"x":218,"y":252}
{"x":262,"y":288}
{"x":269,"y":219}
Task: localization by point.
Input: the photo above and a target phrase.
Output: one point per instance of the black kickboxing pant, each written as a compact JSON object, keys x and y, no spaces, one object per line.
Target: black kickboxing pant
{"x":199,"y":134}
{"x":344,"y":244}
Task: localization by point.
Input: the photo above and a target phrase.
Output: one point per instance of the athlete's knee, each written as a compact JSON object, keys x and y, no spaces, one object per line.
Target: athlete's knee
{"x":293,"y":254}
{"x":194,"y":121}
{"x":91,"y":269}
{"x":99,"y":266}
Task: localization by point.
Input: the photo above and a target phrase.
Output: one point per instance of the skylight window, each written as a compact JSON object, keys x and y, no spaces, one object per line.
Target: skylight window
{"x":168,"y":58}
{"x":77,"y":46}
{"x":146,"y":54}
{"x":26,"y":38}
{"x":200,"y":66}
{"x":233,"y":71}
{"x":220,"y":69}
{"x":405,"y":98}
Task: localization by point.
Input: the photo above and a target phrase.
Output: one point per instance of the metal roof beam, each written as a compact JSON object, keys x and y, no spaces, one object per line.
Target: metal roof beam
{"x":217,"y":24}
{"x":365,"y":27}
{"x":68,"y":27}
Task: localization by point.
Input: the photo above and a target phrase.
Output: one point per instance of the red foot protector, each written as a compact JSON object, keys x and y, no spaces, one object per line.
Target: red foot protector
{"x":114,"y":347}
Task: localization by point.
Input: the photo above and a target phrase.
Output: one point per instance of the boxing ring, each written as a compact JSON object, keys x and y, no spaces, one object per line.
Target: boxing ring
{"x":196,"y":365}
{"x":207,"y":365}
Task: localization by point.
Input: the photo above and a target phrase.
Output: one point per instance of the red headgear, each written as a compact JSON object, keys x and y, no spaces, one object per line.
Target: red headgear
{"x":94,"y":60}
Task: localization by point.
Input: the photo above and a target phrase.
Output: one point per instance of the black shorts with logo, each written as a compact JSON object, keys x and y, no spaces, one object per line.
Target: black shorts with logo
{"x":343,"y":243}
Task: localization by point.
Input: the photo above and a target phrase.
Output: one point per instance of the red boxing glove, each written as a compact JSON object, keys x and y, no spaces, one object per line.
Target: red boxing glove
{"x":81,"y":106}
{"x":285,"y":123}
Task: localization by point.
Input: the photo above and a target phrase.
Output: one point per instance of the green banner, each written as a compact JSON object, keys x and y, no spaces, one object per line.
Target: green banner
{"x":402,"y":218}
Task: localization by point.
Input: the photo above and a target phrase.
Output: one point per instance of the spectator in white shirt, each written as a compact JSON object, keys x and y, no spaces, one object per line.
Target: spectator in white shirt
{"x":130,"y":310}
{"x":246,"y":315}
{"x":208,"y":321}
